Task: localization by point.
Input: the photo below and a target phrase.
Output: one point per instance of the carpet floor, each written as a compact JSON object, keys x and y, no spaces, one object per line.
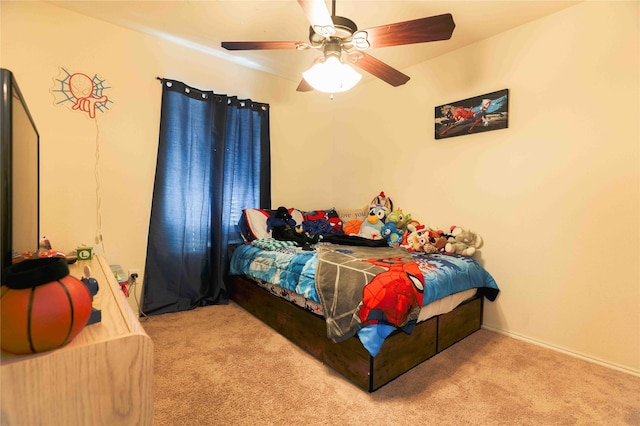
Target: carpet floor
{"x":220,"y":365}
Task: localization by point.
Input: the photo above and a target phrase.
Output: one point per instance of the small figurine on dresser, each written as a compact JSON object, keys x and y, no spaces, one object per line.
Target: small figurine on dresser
{"x":92,"y":285}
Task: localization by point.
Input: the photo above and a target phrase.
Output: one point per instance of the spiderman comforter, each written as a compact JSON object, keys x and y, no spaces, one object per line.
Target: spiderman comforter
{"x":368,"y":291}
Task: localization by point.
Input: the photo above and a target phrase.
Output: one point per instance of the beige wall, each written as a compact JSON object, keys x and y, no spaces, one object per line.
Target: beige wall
{"x":36,"y":39}
{"x":556,"y":195}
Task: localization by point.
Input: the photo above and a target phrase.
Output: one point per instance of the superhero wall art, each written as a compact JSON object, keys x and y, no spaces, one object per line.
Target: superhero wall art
{"x":474,"y":115}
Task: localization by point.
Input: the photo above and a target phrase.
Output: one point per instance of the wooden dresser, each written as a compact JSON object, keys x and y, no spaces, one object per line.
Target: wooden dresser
{"x":102,"y":377}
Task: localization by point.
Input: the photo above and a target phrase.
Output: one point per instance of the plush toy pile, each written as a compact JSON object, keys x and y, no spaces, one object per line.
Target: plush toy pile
{"x":400,"y":229}
{"x":284,"y":228}
{"x":379,"y":222}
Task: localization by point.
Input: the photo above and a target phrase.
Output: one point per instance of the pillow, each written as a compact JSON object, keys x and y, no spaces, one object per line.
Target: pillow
{"x":253,"y":224}
{"x":322,"y":222}
{"x":296,"y":215}
{"x":348,"y":215}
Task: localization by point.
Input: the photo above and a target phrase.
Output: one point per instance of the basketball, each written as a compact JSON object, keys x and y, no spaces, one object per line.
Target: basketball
{"x":352,"y":227}
{"x":42,"y":306}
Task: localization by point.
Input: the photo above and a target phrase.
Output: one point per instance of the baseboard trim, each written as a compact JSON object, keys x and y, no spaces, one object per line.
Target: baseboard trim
{"x":622,"y":368}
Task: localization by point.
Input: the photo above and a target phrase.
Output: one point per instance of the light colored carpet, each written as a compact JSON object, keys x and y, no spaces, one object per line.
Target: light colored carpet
{"x":220,"y":365}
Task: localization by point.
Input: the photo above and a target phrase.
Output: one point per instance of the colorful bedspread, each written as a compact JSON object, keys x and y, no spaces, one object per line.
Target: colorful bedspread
{"x":360,"y":286}
{"x":288,"y":267}
{"x":364,"y":290}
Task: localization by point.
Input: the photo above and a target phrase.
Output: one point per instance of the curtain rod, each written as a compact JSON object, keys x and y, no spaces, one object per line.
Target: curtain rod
{"x":261,"y":105}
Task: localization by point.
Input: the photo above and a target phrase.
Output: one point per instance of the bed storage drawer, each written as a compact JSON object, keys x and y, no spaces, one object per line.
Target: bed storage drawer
{"x":459,"y":323}
{"x":401,"y":352}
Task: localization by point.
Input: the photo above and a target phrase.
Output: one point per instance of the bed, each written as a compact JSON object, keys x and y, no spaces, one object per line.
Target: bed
{"x":369,"y":313}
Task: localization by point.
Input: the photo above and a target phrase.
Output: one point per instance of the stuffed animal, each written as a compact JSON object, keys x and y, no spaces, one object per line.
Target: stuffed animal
{"x":463,"y":241}
{"x":392,"y":234}
{"x":352,"y":227}
{"x":382,"y":200}
{"x":283,"y":228}
{"x":417,"y":240}
{"x":425,"y":239}
{"x":412,"y":225}
{"x":438,"y":240}
{"x":371,"y":227}
{"x":335,"y":222}
{"x":399,"y":218}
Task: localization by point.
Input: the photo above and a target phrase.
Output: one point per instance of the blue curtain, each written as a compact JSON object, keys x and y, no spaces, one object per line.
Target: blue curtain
{"x":213,"y":161}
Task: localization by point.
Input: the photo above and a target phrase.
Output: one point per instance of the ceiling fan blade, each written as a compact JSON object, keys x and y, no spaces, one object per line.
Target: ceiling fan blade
{"x":304,"y":86}
{"x":318,"y":16}
{"x":264,"y":45}
{"x":380,"y":69}
{"x":433,"y":28}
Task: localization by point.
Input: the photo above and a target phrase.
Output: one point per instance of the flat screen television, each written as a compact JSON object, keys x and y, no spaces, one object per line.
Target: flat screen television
{"x":19,"y":173}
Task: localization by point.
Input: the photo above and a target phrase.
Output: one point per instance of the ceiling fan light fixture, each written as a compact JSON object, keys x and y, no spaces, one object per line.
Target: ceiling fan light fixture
{"x":337,"y":35}
{"x":331,"y":75}
{"x":324,"y":30}
{"x":360,"y":40}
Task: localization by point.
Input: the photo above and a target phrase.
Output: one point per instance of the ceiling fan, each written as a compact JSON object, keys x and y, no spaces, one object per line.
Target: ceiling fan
{"x":334,"y":35}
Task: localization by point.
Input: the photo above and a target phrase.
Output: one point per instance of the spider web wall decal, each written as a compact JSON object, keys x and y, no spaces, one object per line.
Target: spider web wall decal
{"x":79,"y":92}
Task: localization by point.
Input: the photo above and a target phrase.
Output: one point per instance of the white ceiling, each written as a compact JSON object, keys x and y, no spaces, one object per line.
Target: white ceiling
{"x":204,"y":24}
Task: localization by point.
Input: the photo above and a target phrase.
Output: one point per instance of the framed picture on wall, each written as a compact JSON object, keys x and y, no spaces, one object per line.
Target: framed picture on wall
{"x":482,"y":113}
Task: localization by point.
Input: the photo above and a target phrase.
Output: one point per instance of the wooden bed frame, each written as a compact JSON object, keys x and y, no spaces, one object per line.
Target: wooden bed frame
{"x":400,"y":352}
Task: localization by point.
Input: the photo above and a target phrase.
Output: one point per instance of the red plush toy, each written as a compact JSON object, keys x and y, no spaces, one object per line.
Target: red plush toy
{"x":392,"y":295}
